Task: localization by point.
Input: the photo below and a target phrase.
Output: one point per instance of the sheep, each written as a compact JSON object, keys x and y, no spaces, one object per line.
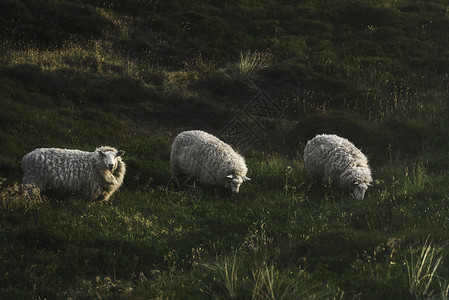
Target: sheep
{"x":93,"y":175}
{"x":203,"y":156}
{"x":333,"y":159}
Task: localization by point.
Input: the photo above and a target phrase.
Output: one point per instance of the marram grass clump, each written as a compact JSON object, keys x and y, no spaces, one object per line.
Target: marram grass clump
{"x":245,"y":72}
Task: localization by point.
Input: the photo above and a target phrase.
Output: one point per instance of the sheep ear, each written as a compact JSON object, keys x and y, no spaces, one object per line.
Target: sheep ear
{"x":120,"y":153}
{"x":246,"y":178}
{"x":230,"y":176}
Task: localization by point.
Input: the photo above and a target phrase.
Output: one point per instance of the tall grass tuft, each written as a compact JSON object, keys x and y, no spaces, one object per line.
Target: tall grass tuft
{"x":422,"y":272}
{"x":245,"y":71}
{"x":271,"y":284}
{"x":227,"y":276}
{"x":233,"y":279}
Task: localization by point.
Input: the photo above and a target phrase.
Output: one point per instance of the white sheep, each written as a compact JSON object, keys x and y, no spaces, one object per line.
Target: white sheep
{"x":203,"y":156}
{"x":333,"y":159}
{"x":93,"y":175}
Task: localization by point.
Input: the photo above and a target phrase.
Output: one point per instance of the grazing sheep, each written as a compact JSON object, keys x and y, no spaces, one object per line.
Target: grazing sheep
{"x":334,"y":159}
{"x":201,"y":155}
{"x":93,"y":175}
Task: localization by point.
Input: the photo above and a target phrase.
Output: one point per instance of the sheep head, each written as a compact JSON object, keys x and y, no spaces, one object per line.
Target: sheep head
{"x":234,"y":182}
{"x":359,"y":189}
{"x":110,"y":158}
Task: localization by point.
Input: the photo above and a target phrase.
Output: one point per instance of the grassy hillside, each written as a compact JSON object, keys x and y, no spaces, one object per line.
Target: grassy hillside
{"x":265,"y":76}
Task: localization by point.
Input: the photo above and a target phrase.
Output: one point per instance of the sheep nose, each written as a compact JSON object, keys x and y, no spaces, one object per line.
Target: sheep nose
{"x":111,"y":166}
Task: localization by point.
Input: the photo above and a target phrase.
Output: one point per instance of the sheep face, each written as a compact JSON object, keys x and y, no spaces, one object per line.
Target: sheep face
{"x":359,"y":189}
{"x":110,"y":159}
{"x":234,"y":182}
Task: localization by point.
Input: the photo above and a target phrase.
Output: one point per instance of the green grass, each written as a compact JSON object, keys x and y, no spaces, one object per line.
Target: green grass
{"x":266,"y":244}
{"x":133,"y":74}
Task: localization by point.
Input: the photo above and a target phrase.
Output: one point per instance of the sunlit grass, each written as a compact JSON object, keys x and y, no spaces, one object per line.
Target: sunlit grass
{"x":19,"y":198}
{"x":91,"y":57}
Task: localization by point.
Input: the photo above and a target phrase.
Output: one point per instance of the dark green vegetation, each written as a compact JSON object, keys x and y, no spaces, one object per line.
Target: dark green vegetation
{"x":132,"y":74}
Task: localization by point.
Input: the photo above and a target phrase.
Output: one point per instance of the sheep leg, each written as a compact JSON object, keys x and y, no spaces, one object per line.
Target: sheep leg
{"x":177,"y":185}
{"x":176,"y":181}
{"x":185,"y":181}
